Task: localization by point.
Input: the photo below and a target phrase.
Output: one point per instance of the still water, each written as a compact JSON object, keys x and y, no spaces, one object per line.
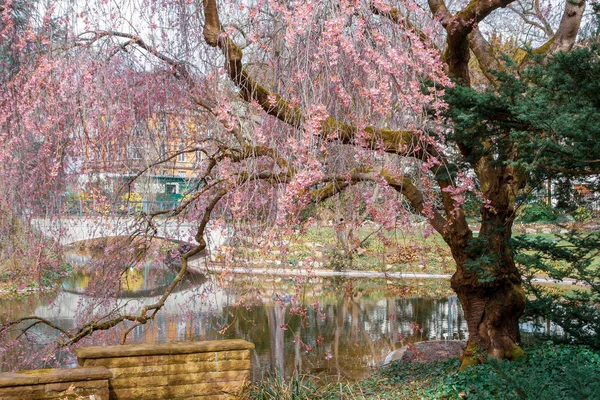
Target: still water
{"x":331,"y":326}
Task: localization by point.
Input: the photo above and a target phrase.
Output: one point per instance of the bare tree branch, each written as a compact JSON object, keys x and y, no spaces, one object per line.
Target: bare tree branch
{"x":540,"y":15}
{"x":527,"y":16}
{"x":402,"y":185}
{"x":36,"y":320}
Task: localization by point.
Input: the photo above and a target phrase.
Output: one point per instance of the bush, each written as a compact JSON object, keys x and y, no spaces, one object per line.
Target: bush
{"x":536,"y":212}
{"x":547,"y":372}
{"x":583,"y":214}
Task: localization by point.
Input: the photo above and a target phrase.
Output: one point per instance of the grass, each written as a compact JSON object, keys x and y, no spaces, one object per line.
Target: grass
{"x":388,"y":251}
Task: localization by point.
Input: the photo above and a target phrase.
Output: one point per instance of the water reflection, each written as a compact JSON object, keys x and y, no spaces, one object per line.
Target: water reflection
{"x":331,"y":326}
{"x":348,"y":336}
{"x":146,"y":280}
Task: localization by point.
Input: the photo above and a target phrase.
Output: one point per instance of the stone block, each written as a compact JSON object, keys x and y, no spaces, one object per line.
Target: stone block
{"x":162,"y":349}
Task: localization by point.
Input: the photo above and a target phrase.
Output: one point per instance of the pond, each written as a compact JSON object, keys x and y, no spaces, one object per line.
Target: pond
{"x":331,"y":326}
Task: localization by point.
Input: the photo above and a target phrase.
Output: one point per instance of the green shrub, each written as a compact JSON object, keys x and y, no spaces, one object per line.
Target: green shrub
{"x":582,"y":214}
{"x":547,"y":372}
{"x":536,"y":212}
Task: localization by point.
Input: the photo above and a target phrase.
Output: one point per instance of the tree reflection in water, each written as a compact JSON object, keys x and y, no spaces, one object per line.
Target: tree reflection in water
{"x":331,"y":326}
{"x":337,"y":332}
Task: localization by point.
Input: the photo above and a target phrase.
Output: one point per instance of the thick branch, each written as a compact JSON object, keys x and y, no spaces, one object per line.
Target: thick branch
{"x":485,"y":56}
{"x":458,"y":29}
{"x":566,"y":34}
{"x":329,"y":190}
{"x":417,"y":200}
{"x":393,"y":141}
{"x":477,"y":10}
{"x":440,"y":11}
{"x":402,"y":185}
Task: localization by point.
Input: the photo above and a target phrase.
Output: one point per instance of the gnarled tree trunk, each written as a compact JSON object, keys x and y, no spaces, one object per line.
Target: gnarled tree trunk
{"x":492,"y":310}
{"x":487,"y":281}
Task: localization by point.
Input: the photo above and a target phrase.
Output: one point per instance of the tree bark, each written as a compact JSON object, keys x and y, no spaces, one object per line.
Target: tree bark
{"x":487,"y":281}
{"x":492,"y":311}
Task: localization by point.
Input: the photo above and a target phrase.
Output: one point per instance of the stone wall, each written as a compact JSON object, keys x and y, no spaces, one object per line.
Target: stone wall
{"x":55,"y":384}
{"x":199,"y":370}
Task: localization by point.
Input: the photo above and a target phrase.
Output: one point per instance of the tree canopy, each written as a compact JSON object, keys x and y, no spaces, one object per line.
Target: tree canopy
{"x":290,"y":103}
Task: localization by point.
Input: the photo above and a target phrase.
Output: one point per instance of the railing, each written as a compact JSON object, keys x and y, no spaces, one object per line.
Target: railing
{"x":78,"y":207}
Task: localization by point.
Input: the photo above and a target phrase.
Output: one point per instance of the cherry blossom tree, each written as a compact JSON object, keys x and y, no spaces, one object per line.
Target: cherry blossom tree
{"x":292,"y":103}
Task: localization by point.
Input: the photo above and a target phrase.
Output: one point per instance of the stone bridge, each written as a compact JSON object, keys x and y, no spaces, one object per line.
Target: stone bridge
{"x":74,"y":229}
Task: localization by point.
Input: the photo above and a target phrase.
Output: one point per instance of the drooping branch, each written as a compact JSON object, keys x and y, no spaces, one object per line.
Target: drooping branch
{"x":148,"y":312}
{"x":402,"y":185}
{"x":397,"y":17}
{"x":178,"y":67}
{"x":401,"y":142}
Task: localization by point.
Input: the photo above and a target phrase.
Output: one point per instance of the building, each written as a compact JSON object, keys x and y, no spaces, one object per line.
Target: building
{"x":156,"y":164}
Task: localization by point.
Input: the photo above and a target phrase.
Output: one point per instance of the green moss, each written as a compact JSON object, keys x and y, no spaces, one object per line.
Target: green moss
{"x":515,"y":353}
{"x":468,"y":362}
{"x":470,"y":357}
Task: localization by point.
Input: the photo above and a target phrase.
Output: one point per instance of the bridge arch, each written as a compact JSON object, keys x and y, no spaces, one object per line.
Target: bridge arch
{"x":69,"y":230}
